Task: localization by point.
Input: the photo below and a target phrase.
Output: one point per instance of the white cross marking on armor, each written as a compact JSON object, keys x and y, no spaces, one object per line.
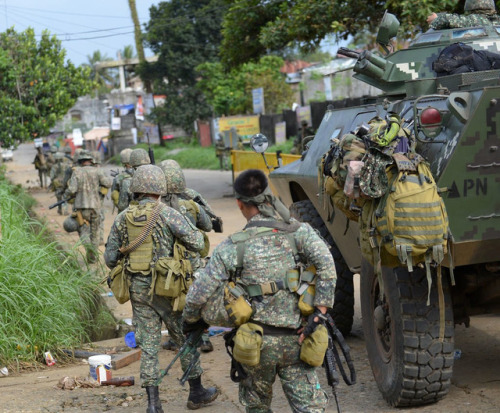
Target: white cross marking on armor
{"x":486,"y":45}
{"x":408,"y":68}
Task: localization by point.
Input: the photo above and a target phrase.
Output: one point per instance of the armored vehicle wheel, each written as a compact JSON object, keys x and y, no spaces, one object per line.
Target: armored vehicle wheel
{"x":343,"y":307}
{"x":410,"y":365}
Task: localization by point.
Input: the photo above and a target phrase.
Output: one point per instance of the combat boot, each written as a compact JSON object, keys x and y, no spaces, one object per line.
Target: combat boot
{"x":198,"y":395}
{"x":154,"y":403}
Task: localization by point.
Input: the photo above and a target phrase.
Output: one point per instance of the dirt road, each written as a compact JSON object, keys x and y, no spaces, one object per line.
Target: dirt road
{"x":476,"y":380}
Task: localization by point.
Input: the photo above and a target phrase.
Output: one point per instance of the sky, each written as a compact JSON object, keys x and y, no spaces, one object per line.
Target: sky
{"x":83,"y":26}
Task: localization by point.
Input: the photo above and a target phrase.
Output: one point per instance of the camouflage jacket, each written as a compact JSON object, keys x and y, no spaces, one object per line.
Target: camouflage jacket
{"x":121,"y":183}
{"x":57,"y":174}
{"x":171,"y":225}
{"x":84,"y":184}
{"x":266,"y":258}
{"x":454,"y":21}
{"x":192,"y":194}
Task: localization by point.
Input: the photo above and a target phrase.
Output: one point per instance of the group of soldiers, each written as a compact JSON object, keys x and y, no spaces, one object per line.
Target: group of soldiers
{"x":164,"y":212}
{"x":477,"y":13}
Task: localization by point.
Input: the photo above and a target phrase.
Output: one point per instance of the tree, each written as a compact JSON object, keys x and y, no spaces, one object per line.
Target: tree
{"x":273,"y":25}
{"x":183,"y":33}
{"x":230,"y":93}
{"x":103,"y":79}
{"x":37,"y":85}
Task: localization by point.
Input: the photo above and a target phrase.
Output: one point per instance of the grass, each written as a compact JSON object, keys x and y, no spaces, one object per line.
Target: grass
{"x":193,"y":156}
{"x":48,"y":301}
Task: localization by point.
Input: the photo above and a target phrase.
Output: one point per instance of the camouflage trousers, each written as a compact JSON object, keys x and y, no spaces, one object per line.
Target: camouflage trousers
{"x":89,"y":233}
{"x":281,"y":355}
{"x":148,"y":315}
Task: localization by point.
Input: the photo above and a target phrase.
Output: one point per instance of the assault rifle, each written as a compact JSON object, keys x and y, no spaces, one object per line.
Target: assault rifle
{"x":114,"y":173}
{"x":216,"y":221}
{"x":333,"y":360}
{"x":189,"y":347}
{"x":62,"y":201}
{"x":345,"y":51}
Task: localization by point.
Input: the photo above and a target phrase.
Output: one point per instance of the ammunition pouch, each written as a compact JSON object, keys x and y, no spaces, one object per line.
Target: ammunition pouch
{"x":79,"y":218}
{"x":237,"y":306}
{"x":119,"y":283}
{"x":103,"y":190}
{"x":247,"y":343}
{"x":115,"y":195}
{"x":314,"y":346}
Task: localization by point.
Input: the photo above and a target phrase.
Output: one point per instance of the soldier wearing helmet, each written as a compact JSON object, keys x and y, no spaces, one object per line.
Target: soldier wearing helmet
{"x":103,"y":191}
{"x":56,"y":179}
{"x":167,"y":225}
{"x":477,"y":13}
{"x":176,"y":198}
{"x":139,"y":157}
{"x":120,"y":190}
{"x":84,"y":186}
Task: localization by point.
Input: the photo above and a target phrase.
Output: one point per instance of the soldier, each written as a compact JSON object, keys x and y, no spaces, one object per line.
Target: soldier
{"x":67,"y":153}
{"x":50,"y":158}
{"x":84,"y":185}
{"x":96,"y":155}
{"x":139,"y":157}
{"x":149,"y":309}
{"x":120,"y":190}
{"x":41,"y":166}
{"x":56,"y":179}
{"x":259,"y":256}
{"x":175,"y":198}
{"x":477,"y":13}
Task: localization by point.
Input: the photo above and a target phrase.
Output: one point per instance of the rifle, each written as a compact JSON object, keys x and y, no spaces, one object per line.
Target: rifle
{"x":150,"y":151}
{"x":332,"y":358}
{"x":62,"y":201}
{"x":114,"y":173}
{"x":345,"y":51}
{"x":189,"y":347}
{"x":217,"y":223}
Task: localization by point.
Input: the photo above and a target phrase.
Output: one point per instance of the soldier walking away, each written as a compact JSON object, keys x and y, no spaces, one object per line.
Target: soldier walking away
{"x":84,"y":185}
{"x":256,"y":259}
{"x":175,"y":198}
{"x":41,"y":166}
{"x":477,"y":13}
{"x":50,"y":158}
{"x":103,"y":191}
{"x":56,"y":179}
{"x":150,"y":309}
{"x":120,"y":190}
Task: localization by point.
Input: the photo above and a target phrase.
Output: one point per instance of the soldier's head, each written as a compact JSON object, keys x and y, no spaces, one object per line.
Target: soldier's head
{"x":85,"y":158}
{"x":176,"y":182}
{"x":96,"y":157}
{"x":53,"y":149}
{"x":249,"y":184}
{"x":67,"y":149}
{"x":475,"y":6}
{"x":125,"y":157}
{"x":58,"y":156}
{"x":139,"y":157}
{"x":148,"y":180}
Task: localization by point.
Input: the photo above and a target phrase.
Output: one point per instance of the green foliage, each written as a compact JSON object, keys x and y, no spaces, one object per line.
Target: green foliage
{"x":104,"y":79}
{"x":273,"y":25}
{"x":48,"y":300}
{"x":184,"y":33}
{"x":37,"y":86}
{"x":230,"y":93}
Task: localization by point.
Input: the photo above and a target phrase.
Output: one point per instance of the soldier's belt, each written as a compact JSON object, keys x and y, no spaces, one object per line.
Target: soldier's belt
{"x":272,"y":287}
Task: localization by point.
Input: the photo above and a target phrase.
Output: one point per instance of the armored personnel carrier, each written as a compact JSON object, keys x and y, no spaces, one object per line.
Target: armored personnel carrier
{"x":456,"y":122}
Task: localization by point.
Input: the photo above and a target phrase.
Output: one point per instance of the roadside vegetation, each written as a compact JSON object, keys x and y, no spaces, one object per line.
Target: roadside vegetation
{"x":49,"y":300}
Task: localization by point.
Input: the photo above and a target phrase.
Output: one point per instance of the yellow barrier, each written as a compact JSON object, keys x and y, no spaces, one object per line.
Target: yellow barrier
{"x":243,"y":160}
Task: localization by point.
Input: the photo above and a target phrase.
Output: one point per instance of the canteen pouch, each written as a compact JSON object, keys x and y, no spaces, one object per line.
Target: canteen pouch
{"x":314,"y":346}
{"x":306,"y":301}
{"x":247,"y":343}
{"x":115,"y":195}
{"x":119,"y":284}
{"x":169,"y":282}
{"x":238,"y":308}
{"x":292,"y":280}
{"x":103,"y":190}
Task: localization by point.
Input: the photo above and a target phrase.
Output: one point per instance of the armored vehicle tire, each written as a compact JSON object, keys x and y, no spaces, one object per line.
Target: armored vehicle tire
{"x":410,"y":365}
{"x":343,"y":307}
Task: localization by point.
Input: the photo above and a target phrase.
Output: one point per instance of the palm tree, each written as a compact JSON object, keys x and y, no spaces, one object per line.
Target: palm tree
{"x":103,"y":78}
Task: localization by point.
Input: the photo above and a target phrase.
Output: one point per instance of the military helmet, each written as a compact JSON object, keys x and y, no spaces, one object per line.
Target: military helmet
{"x":85,"y":156}
{"x":58,"y":156}
{"x":70,"y":224}
{"x":139,"y":157}
{"x":475,"y":5}
{"x":125,"y":156}
{"x":53,"y":149}
{"x":148,"y":179}
{"x":96,"y":157}
{"x":67,"y":149}
{"x":176,"y":182}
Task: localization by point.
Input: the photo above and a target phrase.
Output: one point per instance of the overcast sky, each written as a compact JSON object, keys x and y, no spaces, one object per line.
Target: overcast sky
{"x":103,"y":25}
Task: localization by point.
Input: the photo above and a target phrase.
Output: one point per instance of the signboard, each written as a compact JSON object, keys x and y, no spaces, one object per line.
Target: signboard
{"x":38,"y":142}
{"x":116,"y":123}
{"x":77,"y":137}
{"x":139,"y":109}
{"x":245,"y":126}
{"x":258,"y":100}
{"x":304,"y":113}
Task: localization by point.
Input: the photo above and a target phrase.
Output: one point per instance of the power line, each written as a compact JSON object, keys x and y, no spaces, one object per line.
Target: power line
{"x":68,"y":13}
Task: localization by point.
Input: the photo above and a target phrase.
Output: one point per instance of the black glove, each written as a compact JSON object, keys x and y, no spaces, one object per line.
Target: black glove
{"x":108,"y":280}
{"x":312,"y":324}
{"x":196,"y":326}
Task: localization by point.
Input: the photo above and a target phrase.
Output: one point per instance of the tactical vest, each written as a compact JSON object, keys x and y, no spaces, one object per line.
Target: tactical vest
{"x":136,"y":217}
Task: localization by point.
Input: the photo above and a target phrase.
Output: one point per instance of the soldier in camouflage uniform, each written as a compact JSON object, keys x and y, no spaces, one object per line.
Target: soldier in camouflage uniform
{"x":148,"y":184}
{"x":175,"y":198}
{"x":120,"y":190}
{"x":96,"y":155}
{"x":56,"y":178}
{"x":477,"y":13}
{"x":67,"y":153}
{"x":84,"y":185}
{"x":266,"y":259}
{"x":40,"y":163}
{"x":50,"y":158}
